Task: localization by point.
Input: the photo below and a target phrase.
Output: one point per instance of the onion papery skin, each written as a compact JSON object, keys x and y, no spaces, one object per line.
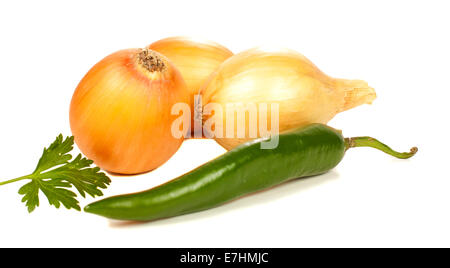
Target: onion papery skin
{"x":196,"y":59}
{"x":304,"y":94}
{"x":120,"y":114}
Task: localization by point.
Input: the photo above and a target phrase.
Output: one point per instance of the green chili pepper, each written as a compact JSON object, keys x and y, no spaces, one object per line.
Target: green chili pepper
{"x":306,"y":151}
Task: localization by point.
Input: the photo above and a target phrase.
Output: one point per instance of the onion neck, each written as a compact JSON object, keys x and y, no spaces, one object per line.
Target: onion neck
{"x":356,"y":92}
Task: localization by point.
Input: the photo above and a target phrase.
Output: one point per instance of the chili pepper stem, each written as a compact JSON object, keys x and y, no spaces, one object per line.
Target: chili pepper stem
{"x":14,"y":180}
{"x":374,"y":143}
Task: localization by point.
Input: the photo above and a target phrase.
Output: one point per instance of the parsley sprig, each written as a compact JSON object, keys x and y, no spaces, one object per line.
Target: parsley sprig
{"x":55,"y":173}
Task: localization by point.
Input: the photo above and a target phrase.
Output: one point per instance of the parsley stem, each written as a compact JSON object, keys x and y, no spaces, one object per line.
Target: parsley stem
{"x":16,"y":179}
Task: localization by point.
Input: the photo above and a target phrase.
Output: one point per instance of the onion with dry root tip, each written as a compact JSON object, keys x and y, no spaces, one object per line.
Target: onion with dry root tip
{"x":303,"y":93}
{"x":120,"y":113}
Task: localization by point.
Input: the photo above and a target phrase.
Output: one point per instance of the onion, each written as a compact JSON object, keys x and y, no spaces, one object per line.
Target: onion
{"x":120,"y":114}
{"x":196,"y":60}
{"x":303,"y":94}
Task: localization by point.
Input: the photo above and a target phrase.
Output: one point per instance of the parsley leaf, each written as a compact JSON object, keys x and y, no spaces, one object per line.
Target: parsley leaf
{"x":55,"y":174}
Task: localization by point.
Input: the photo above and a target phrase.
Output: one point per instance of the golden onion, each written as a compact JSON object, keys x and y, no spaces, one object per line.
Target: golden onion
{"x":303,"y":93}
{"x":120,"y":114}
{"x":196,"y":59}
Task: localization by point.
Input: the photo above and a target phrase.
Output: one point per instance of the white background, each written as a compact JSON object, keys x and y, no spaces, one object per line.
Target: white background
{"x":400,"y":47}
